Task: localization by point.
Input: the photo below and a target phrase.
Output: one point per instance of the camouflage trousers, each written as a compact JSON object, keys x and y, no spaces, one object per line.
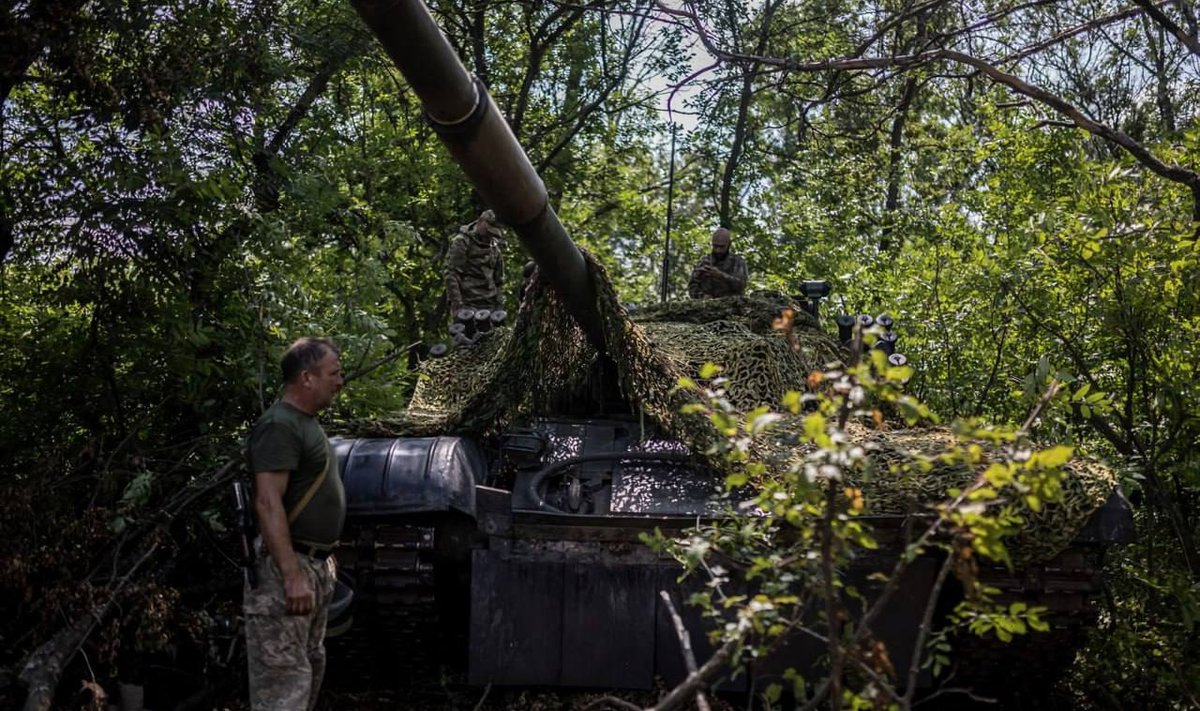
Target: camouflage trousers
{"x":286,"y":653}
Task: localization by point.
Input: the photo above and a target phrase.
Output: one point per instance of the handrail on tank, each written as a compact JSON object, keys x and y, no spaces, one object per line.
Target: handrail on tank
{"x":464,"y":116}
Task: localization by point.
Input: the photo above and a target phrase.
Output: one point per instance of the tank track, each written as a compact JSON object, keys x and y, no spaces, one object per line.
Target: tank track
{"x":394,"y":641}
{"x":1022,"y":673}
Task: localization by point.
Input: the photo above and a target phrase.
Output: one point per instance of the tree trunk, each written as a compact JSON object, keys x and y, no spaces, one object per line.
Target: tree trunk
{"x":895,"y":144}
{"x":7,"y":238}
{"x":725,"y":209}
{"x":1156,"y":39}
{"x":478,"y":46}
{"x":749,"y":74}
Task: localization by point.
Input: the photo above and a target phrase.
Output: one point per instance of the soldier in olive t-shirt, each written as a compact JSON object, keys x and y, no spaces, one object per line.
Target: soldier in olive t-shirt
{"x":287,"y":611}
{"x":286,"y":439}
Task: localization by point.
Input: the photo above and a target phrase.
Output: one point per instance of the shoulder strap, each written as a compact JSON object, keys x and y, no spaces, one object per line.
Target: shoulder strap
{"x":312,"y":490}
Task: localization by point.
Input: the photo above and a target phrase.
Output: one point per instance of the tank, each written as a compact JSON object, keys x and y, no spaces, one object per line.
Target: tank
{"x":496,"y":526}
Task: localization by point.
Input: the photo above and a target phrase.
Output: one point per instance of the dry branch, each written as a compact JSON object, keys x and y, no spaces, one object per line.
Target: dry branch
{"x":685,"y":643}
{"x":699,"y":679}
{"x":43,"y":668}
{"x":1072,"y":32}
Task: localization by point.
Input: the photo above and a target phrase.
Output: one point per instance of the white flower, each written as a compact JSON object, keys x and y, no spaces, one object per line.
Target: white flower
{"x":828,"y":472}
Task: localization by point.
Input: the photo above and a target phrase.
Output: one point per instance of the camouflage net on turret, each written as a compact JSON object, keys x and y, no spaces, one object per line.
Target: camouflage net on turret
{"x":514,"y":373}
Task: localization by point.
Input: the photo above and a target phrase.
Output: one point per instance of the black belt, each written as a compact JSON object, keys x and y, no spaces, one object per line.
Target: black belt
{"x":317,"y":552}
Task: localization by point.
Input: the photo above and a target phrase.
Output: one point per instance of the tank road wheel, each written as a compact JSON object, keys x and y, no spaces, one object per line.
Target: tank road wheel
{"x":394,"y":641}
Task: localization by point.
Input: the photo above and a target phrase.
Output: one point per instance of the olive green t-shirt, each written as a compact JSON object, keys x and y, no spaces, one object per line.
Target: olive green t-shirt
{"x":287,"y":439}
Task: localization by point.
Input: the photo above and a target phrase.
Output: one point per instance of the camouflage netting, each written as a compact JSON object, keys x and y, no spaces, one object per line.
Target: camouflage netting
{"x":544,"y":358}
{"x":739,"y":334}
{"x":890,"y":484}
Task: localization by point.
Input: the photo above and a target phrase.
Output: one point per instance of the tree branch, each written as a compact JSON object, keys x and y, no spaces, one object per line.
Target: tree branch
{"x":1153,"y":10}
{"x":45,"y":666}
{"x":685,"y":644}
{"x":22,"y":39}
{"x":914,"y":666}
{"x":699,"y":679}
{"x":584,"y":113}
{"x":1174,"y":173}
{"x":394,"y":354}
{"x":749,"y":74}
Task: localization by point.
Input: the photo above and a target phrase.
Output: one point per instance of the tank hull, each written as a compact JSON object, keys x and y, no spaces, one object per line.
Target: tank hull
{"x":510,"y":588}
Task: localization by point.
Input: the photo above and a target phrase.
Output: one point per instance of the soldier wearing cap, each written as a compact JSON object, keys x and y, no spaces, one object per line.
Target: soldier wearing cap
{"x":719,"y":273}
{"x":474,"y":266}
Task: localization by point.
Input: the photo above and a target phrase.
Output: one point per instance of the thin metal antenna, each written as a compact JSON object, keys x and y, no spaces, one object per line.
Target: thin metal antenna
{"x":665,"y":284}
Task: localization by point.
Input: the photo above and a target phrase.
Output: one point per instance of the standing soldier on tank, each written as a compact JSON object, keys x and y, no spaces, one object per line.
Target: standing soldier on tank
{"x":475,"y":267}
{"x":719,"y":273}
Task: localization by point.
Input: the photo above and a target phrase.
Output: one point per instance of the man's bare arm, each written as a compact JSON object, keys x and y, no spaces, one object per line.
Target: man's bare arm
{"x":273,"y":525}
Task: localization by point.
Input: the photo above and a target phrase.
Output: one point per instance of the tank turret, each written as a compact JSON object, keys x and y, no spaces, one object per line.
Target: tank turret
{"x":462,"y":113}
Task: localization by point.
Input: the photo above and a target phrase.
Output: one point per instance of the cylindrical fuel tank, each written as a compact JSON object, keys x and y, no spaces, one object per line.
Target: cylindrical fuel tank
{"x":408,"y":475}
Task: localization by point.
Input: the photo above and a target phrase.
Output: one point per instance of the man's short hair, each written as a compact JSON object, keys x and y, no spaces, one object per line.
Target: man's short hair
{"x":304,"y":354}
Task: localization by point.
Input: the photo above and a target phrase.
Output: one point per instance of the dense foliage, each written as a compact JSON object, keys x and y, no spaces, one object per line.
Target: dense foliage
{"x":184,"y":187}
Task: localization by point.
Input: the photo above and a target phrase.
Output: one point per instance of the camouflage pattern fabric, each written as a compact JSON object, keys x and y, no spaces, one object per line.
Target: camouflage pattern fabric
{"x":730,"y":282}
{"x":893,"y":484}
{"x":286,"y":653}
{"x":474,"y":272}
{"x":514,"y":373}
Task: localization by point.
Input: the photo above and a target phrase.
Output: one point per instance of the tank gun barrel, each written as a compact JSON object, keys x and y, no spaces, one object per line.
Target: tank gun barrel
{"x":462,"y":113}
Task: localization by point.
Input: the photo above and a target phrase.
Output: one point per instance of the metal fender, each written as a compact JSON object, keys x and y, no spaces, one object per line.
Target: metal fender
{"x":409,"y":475}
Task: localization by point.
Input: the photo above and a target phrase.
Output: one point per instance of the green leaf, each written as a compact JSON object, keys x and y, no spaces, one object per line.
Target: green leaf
{"x":814,"y":426}
{"x":998,"y":474}
{"x":1052,"y":458}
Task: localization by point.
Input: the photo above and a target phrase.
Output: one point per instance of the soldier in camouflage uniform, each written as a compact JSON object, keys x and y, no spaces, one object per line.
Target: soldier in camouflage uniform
{"x":719,"y":273}
{"x":475,"y":267}
{"x":300,"y":505}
